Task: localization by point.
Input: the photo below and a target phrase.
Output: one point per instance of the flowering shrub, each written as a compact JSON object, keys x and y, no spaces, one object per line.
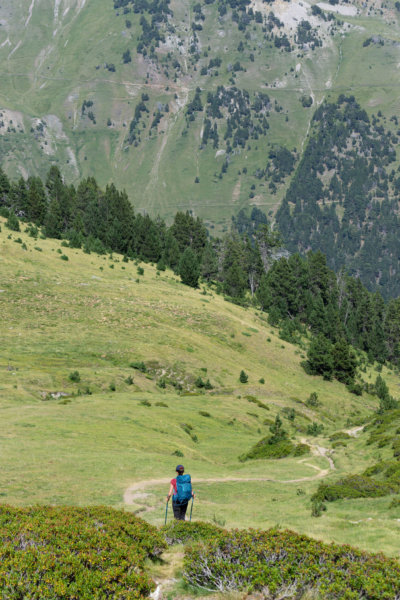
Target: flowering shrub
{"x":283,"y":564}
{"x":75,"y":554}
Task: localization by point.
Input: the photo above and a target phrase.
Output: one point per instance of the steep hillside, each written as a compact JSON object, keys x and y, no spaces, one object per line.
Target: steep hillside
{"x":103,"y":377}
{"x":108,"y":88}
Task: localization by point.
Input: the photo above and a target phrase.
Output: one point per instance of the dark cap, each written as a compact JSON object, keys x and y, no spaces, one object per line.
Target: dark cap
{"x":180,"y":468}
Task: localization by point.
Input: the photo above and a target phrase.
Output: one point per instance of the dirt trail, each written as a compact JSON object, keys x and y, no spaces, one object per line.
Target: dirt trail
{"x":135,"y":490}
{"x":354,"y":430}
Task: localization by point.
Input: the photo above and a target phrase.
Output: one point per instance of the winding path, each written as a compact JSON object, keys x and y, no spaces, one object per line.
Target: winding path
{"x":136,"y":489}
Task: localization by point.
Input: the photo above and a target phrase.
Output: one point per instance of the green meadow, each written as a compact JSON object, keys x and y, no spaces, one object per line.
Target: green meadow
{"x":81,"y":424}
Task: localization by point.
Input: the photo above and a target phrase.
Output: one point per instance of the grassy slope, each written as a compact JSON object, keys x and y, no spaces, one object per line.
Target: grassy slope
{"x":49,"y":68}
{"x":61,"y":316}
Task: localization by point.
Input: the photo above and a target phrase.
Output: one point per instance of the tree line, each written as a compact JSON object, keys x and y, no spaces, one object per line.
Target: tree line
{"x":248,"y":265}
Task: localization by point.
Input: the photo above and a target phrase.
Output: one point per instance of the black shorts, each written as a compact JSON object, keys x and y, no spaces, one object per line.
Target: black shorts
{"x":179,"y":510}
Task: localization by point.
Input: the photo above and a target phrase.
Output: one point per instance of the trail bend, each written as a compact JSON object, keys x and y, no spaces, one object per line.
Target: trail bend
{"x":131,"y":492}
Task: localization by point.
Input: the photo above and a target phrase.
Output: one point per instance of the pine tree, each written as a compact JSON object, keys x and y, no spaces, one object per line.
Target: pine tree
{"x":235,"y":282}
{"x":189,"y":269}
{"x":319,"y":357}
{"x":243,"y":377}
{"x":277,"y":432}
{"x":171,"y":251}
{"x":36,"y":201}
{"x":209,"y":263}
{"x":53,"y":221}
{"x":263,"y":293}
{"x":344,"y":362}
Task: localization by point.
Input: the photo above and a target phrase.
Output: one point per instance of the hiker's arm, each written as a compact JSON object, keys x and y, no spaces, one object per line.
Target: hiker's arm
{"x":171,"y":491}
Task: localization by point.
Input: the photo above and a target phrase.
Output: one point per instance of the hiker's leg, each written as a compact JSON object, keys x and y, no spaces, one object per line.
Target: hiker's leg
{"x":183,"y":511}
{"x":177,"y":510}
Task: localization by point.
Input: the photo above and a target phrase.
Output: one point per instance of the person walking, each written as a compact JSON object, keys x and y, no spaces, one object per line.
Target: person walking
{"x":181,"y":492}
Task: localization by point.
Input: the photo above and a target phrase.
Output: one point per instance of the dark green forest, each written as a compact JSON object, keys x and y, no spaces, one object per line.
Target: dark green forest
{"x":344,"y":196}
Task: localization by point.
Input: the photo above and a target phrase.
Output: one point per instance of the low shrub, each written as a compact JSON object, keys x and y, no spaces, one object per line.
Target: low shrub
{"x":263,"y":449}
{"x":301,"y":449}
{"x":55,"y":553}
{"x":275,"y":561}
{"x":74,"y":376}
{"x":255,"y":400}
{"x":139,"y":366}
{"x":204,"y":413}
{"x":339,"y":435}
{"x":145,"y":403}
{"x":178,"y":453}
{"x":315,"y":429}
{"x":317,"y":508}
{"x":356,"y":486}
{"x":395,"y":503}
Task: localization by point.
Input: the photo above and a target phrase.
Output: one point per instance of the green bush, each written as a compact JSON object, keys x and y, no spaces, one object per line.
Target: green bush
{"x":145,"y":403}
{"x":62,"y":553}
{"x":301,"y":449}
{"x":13,"y":222}
{"x":204,"y":413}
{"x":74,"y":376}
{"x":356,"y":486}
{"x":315,"y":429}
{"x":276,"y":560}
{"x":256,"y":401}
{"x":139,"y":366}
{"x":177,"y":453}
{"x":264,"y":449}
{"x":199,"y":382}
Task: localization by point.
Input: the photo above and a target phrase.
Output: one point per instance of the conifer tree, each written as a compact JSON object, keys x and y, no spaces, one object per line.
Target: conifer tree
{"x":319,"y":357}
{"x":189,"y":269}
{"x":344,"y":361}
{"x":36,"y":201}
{"x":209,"y":264}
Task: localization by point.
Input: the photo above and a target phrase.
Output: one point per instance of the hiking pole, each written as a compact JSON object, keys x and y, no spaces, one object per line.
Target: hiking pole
{"x":191,"y":509}
{"x":166,"y":513}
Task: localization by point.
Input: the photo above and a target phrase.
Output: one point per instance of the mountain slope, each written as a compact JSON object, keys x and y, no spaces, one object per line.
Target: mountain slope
{"x":58,"y":56}
{"x":85,"y":422}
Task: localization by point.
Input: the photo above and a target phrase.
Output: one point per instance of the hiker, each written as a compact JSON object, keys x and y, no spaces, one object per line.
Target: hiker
{"x":181,"y":492}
